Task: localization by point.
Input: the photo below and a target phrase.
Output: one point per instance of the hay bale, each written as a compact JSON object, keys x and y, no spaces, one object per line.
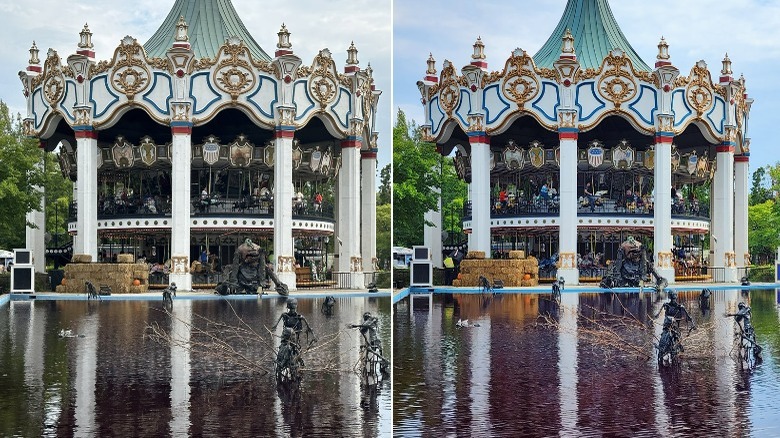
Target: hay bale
{"x":456,"y":283}
{"x":479,"y":255}
{"x":125,"y":258}
{"x":517,"y":254}
{"x":81,"y":258}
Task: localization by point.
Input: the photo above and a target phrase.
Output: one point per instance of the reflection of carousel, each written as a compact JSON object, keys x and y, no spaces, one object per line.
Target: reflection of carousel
{"x":569,"y":151}
{"x":188,"y":144}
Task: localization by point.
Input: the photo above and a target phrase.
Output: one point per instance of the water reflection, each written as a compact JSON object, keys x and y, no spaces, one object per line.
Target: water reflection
{"x":585,"y":367}
{"x":111,"y":380}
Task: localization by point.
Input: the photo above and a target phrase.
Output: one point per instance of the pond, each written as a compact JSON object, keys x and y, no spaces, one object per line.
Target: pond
{"x":109,"y":377}
{"x":525,"y":366}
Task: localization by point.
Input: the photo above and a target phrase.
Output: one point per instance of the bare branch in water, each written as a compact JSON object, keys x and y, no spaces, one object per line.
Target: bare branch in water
{"x":240,"y":345}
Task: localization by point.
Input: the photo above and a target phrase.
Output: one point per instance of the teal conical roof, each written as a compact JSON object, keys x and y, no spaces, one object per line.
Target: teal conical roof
{"x":595,"y":33}
{"x":210,"y":23}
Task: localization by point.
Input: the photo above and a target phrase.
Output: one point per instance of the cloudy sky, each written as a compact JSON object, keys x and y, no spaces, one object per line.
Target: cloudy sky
{"x":313,"y":25}
{"x":694,"y":30}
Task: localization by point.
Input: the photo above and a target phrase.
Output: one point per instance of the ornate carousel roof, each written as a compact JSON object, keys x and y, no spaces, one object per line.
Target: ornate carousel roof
{"x":595,"y":33}
{"x":211,"y":23}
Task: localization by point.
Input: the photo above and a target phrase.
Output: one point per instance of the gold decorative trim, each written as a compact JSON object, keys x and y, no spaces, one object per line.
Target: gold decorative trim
{"x":323,"y":83}
{"x":450,"y":90}
{"x":568,"y":260}
{"x":356,"y":264}
{"x":730,"y":259}
{"x":180,"y":265}
{"x":233,"y":73}
{"x":285,"y":264}
{"x":665,"y":260}
{"x":130,"y":73}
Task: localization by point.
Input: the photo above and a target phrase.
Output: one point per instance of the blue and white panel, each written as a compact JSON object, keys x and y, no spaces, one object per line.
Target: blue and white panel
{"x":301,"y":99}
{"x":101,"y":96}
{"x":588,"y":101}
{"x":342,"y":108}
{"x":717,"y":115}
{"x":202,"y":93}
{"x":495,"y":106}
{"x":160,"y":93}
{"x":437,"y":116}
{"x":39,"y":108}
{"x":682,"y":112}
{"x":546,"y":104}
{"x":464,"y":108}
{"x":69,"y":100}
{"x":265,"y":97}
{"x":644,"y":106}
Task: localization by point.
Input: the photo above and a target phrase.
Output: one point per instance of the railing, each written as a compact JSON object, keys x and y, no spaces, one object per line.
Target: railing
{"x":601,"y":206}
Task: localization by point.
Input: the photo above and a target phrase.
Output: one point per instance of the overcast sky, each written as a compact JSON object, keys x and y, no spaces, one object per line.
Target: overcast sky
{"x":313,"y":25}
{"x":694,"y":30}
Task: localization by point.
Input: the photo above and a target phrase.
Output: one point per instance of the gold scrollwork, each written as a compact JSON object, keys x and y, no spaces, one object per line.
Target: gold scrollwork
{"x":450,"y":91}
{"x":700,"y":90}
{"x":53,"y":81}
{"x":323,"y":83}
{"x":160,"y":64}
{"x":130,"y":74}
{"x":234,"y":74}
{"x":617,"y":83}
{"x":520,"y":82}
{"x":355,"y":264}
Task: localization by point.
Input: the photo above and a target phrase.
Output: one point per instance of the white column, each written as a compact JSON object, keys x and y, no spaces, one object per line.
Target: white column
{"x":348,"y":242}
{"x":86,"y":194}
{"x":85,"y":380}
{"x":432,"y":233}
{"x":723,"y":233}
{"x":567,"y":231}
{"x":662,"y":205}
{"x":283,"y":195}
{"x":480,"y":189}
{"x":567,"y":361}
{"x":470,"y":198}
{"x":741,"y":172}
{"x":181,"y":156}
{"x":34,"y":237}
{"x":181,"y":368}
{"x":368,"y":209}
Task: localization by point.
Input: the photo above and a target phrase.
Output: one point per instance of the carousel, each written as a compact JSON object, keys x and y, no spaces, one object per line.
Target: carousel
{"x":182,"y":148}
{"x":569,"y":152}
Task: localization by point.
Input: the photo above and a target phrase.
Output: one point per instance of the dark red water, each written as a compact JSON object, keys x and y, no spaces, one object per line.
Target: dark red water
{"x":114,"y":381}
{"x":588,"y":370}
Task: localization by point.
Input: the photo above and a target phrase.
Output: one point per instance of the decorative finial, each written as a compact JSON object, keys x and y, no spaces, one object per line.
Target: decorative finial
{"x":352,"y":54}
{"x":284,"y":38}
{"x":567,"y":43}
{"x":663,"y":50}
{"x":479,"y":49}
{"x":86,"y":38}
{"x":181,"y":30}
{"x":34,"y":55}
{"x":726,"y":70}
{"x":369,"y":71}
{"x":431,"y":65}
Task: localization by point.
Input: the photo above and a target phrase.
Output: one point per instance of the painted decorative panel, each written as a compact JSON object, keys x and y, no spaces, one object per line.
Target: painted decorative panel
{"x":547,"y":102}
{"x":265,"y":97}
{"x":494,"y":104}
{"x":301,"y":99}
{"x":101,"y":96}
{"x":588,"y":101}
{"x":202,"y":93}
{"x":644,"y":105}
{"x":159,"y":93}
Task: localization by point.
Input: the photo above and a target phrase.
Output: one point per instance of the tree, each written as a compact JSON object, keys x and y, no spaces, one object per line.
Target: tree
{"x":383,"y":235}
{"x":58,"y":196}
{"x":19,"y":175}
{"x":763,"y":223}
{"x":384,"y":196}
{"x":415,"y":175}
{"x":454,"y":193}
{"x":759,"y":193}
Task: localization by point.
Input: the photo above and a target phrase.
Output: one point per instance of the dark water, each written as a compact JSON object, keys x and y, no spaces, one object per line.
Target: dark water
{"x":588,"y":370}
{"x":114,"y":381}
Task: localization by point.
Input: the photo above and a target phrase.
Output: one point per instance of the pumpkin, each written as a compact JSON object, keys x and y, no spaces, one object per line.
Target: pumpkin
{"x":459,"y":276}
{"x":136,"y":282}
{"x":527,"y":277}
{"x":64,"y":280}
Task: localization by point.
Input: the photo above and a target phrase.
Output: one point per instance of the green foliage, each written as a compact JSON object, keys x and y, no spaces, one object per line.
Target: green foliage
{"x":59,"y":194}
{"x":759,"y":193}
{"x":383,"y":235}
{"x":454,"y":193}
{"x":19,"y":175}
{"x":384,"y":196}
{"x":763,"y":223}
{"x":415,"y":175}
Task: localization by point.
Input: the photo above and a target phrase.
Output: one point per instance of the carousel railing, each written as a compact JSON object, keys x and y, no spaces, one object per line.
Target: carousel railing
{"x":111,"y":207}
{"x":255,"y":206}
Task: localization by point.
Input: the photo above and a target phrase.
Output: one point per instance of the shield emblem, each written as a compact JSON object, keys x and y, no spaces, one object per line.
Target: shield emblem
{"x":675,"y":158}
{"x":693,"y":160}
{"x":623,"y":156}
{"x":536,"y":155}
{"x":211,"y":151}
{"x":122,"y":153}
{"x":649,"y":161}
{"x":148,"y":151}
{"x":297,"y":154}
{"x":325,"y":163}
{"x":240,"y":152}
{"x":513,"y":156}
{"x":595,"y":155}
{"x":701,"y":166}
{"x":268,"y":155}
{"x":315,"y":159}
